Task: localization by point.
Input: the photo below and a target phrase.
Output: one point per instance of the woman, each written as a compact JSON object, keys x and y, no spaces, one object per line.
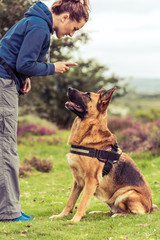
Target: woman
{"x":22,"y":52}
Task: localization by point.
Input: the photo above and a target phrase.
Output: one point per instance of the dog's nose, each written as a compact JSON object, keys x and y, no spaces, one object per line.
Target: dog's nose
{"x":71,"y":90}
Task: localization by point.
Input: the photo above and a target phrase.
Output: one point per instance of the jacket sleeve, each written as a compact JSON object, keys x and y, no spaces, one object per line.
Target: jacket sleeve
{"x":27,"y":60}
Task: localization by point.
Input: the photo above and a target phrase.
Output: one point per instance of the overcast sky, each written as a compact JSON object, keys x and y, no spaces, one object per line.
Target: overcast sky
{"x":125,"y":36}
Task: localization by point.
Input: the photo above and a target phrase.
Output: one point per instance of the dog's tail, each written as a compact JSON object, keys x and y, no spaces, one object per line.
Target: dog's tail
{"x":154,"y":208}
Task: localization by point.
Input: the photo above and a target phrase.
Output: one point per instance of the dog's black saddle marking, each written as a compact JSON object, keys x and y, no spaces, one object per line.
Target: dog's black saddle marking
{"x":108,"y":157}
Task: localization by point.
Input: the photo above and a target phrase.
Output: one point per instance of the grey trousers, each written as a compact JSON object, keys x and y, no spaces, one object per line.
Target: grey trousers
{"x":9,"y":161}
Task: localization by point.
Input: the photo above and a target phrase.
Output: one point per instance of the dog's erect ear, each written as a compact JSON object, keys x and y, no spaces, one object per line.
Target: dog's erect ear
{"x":101,"y":91}
{"x":107,"y":95}
{"x":105,"y":98}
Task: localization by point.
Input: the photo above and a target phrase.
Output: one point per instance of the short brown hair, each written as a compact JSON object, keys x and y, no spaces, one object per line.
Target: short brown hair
{"x":76,"y":8}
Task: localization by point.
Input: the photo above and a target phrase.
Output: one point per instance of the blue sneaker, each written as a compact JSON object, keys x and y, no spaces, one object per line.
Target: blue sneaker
{"x":25,"y":215}
{"x":21,"y":218}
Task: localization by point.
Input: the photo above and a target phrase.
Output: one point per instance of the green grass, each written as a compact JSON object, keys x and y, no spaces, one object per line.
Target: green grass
{"x":44,"y":194}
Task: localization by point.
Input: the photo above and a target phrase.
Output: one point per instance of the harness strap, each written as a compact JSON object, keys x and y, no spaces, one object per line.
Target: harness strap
{"x":107,"y":157}
{"x":95,"y":153}
{"x":11,"y":72}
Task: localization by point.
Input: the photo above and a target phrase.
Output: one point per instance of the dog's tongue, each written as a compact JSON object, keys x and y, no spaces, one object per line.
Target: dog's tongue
{"x":69,"y":105}
{"x":72,"y":106}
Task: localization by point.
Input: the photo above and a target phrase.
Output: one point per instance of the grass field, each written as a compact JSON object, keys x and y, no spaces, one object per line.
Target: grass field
{"x":44,"y":194}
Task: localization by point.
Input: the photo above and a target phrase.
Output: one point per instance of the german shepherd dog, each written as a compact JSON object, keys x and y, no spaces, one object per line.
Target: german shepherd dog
{"x":123,"y":188}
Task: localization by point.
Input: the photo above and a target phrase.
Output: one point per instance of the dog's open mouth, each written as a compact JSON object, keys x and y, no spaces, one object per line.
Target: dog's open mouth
{"x":73,"y":106}
{"x":76,"y":103}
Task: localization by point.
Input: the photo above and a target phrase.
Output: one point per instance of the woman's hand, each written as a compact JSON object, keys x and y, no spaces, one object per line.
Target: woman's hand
{"x":27,"y":86}
{"x":61,"y":67}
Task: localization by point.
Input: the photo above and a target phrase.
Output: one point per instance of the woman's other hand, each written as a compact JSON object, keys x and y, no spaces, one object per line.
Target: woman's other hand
{"x":27,"y":86}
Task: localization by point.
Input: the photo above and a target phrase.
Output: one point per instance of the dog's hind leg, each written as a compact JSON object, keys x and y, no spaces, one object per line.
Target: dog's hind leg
{"x":132,"y":202}
{"x":76,"y":190}
{"x":89,"y":189}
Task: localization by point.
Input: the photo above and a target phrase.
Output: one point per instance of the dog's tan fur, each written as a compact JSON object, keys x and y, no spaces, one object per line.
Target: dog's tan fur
{"x":122,"y":194}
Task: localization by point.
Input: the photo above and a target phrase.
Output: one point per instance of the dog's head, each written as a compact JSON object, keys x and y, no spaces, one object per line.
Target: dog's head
{"x":87,"y":103}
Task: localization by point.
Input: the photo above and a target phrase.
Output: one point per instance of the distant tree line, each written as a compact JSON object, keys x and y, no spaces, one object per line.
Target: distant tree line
{"x":49,"y":94}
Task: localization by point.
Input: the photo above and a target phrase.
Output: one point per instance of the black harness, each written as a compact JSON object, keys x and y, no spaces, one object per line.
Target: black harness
{"x":107,"y":157}
{"x":12,"y":73}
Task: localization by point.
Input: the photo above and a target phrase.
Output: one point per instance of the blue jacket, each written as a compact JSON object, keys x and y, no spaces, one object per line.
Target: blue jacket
{"x":25,"y":45}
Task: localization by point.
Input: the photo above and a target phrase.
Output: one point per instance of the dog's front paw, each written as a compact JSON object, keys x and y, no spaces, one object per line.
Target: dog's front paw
{"x":56,"y":216}
{"x":75,"y":219}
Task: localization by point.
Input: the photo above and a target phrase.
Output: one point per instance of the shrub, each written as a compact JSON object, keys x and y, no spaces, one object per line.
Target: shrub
{"x":33,"y":129}
{"x":33,"y":140}
{"x":34,"y":163}
{"x":41,"y":166}
{"x":135,"y":136}
{"x":118,"y":124}
{"x":25,"y":168}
